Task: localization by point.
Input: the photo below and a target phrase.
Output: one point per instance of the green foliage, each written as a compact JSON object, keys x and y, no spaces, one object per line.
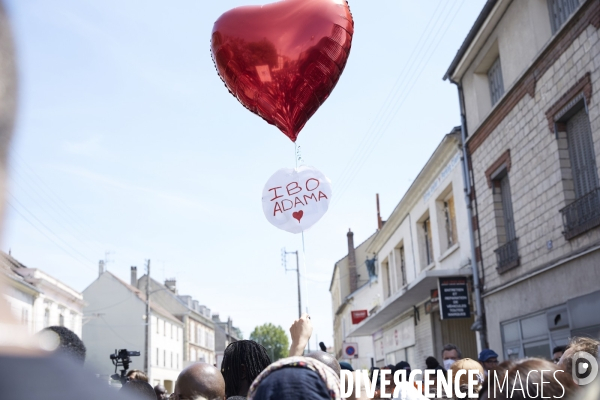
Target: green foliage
{"x":273,"y":338}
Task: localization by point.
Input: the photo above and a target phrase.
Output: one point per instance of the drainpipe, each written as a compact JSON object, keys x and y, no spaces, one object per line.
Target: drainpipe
{"x":479,"y":325}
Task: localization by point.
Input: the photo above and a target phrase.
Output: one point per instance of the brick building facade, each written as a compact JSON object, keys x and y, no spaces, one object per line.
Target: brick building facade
{"x":528,"y":75}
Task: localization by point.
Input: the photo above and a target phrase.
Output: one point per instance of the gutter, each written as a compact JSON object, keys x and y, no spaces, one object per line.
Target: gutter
{"x":479,"y":325}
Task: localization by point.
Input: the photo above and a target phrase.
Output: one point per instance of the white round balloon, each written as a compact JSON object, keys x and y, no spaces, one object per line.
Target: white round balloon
{"x":295,"y":199}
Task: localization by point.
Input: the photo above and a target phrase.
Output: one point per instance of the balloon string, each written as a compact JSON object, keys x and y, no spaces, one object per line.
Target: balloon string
{"x":296,"y":154}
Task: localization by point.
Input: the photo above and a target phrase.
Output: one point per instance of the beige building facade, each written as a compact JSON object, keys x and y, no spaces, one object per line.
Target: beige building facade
{"x":527,"y":75}
{"x":424,"y":239}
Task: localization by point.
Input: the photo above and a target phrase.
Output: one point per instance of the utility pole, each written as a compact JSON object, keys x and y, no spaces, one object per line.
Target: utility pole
{"x":284,"y":261}
{"x":147,"y":336}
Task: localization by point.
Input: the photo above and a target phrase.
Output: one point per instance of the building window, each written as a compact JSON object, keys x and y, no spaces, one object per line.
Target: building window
{"x":385,"y":266}
{"x":427,"y":241}
{"x":580,"y":171}
{"x":171,"y":359}
{"x":507,"y":252}
{"x":496,"y":82}
{"x":581,"y":153}
{"x":401,"y":266}
{"x":164,"y":358}
{"x":157,"y":354}
{"x":157,"y":325}
{"x":46,"y":318}
{"x":61,"y":320}
{"x":560,"y":11}
{"x":450,"y":222}
{"x":25,"y":316}
{"x":193,"y":355}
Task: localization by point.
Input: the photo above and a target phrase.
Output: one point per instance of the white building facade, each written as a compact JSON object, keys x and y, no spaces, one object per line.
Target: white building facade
{"x":353,"y":288}
{"x":425,"y":238}
{"x":39,"y":300}
{"x":116,"y":313}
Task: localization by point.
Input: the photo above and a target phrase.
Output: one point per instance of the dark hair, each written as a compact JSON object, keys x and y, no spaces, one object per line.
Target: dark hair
{"x":559,"y":349}
{"x":140,"y":389}
{"x":432,"y":363}
{"x":137,"y":375}
{"x":450,"y":347}
{"x":70,"y":344}
{"x":253,"y":356}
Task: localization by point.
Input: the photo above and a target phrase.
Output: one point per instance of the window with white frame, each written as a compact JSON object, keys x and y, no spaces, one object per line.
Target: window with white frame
{"x":450,"y":222}
{"x":401,"y":266}
{"x":427,"y":242}
{"x":560,"y":11}
{"x":495,"y":80}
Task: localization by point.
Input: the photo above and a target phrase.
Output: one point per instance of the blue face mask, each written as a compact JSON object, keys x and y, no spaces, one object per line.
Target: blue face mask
{"x":448,"y":364}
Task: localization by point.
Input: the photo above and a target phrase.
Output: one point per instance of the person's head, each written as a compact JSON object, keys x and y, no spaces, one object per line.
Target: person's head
{"x":468,"y":364}
{"x":137,"y":375}
{"x":405,"y":366}
{"x":296,"y":378}
{"x":489,"y":359}
{"x":199,"y":380}
{"x":531,"y":377}
{"x":160,"y":392}
{"x":432,"y":363}
{"x":557,"y":353}
{"x":576,"y":345}
{"x":326,"y":359}
{"x":346,"y":365}
{"x":242,"y":362}
{"x":450,"y":354}
{"x":64,"y":341}
{"x":139,"y":390}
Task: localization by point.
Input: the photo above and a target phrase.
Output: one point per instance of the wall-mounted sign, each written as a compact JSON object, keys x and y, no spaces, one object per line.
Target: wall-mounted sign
{"x":454,"y":298}
{"x":350,"y":350}
{"x":358,"y":316}
{"x":435,"y":296}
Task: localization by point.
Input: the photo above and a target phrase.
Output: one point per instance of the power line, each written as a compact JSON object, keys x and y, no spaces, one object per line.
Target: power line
{"x":392,"y":93}
{"x":50,"y":195}
{"x":390,"y":117}
{"x":47,"y":228}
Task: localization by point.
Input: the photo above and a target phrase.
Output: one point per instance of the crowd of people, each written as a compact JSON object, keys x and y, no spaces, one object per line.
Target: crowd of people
{"x":247,"y":372}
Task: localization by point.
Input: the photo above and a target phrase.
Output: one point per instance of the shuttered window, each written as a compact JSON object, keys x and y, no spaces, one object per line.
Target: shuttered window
{"x":496,"y":82}
{"x":560,"y":11}
{"x":507,"y":210}
{"x":428,"y":244}
{"x":402,"y":266}
{"x":450,"y":218}
{"x":581,"y":153}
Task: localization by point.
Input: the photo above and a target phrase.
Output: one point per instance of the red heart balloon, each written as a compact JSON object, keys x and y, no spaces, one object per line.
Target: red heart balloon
{"x":282,"y":60}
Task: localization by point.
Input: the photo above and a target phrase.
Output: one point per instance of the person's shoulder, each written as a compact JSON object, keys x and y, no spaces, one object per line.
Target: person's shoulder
{"x":50,"y":378}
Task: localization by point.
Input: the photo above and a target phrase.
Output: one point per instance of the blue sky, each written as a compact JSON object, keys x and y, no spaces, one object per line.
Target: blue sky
{"x":127,"y":142}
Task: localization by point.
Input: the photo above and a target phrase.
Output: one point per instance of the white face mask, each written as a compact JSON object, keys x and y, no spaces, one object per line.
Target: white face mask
{"x":448,"y":364}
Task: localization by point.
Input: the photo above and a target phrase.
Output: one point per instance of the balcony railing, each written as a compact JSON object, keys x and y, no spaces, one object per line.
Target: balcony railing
{"x":508,"y":256}
{"x":582,"y":215}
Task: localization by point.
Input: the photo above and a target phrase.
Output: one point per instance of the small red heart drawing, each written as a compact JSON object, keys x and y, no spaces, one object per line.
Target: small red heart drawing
{"x":298,"y":215}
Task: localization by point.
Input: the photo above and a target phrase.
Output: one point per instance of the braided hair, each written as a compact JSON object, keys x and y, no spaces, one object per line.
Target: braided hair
{"x":243,"y":352}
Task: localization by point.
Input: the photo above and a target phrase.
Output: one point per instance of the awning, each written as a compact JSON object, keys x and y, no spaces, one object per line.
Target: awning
{"x":396,"y":305}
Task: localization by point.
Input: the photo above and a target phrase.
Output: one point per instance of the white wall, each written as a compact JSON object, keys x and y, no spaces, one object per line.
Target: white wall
{"x":115,"y":322}
{"x":166,"y":357}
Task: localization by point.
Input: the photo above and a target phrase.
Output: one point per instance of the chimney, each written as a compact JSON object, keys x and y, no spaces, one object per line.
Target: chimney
{"x":134,"y":276}
{"x":352,"y":262}
{"x":100,"y":267}
{"x":171,"y":284}
{"x":379,"y":221}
